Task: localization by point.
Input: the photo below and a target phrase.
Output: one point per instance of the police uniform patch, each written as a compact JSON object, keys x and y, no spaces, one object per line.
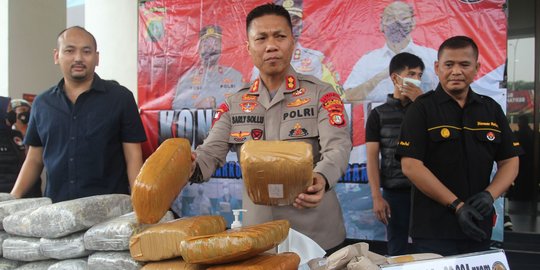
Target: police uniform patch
{"x":256,"y":133}
{"x":239,"y":136}
{"x":290,"y":83}
{"x":306,"y":65}
{"x":223,"y":108}
{"x":336,"y":119}
{"x":248,"y":106}
{"x":445,"y":133}
{"x":298,"y":131}
{"x":299,"y":92}
{"x":332,"y":103}
{"x":248,"y":97}
{"x":490,"y":136}
{"x":254,"y":86}
{"x":299,"y":102}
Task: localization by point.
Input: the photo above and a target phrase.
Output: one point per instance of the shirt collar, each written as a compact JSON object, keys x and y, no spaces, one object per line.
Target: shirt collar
{"x":291,"y":82}
{"x":97,"y":84}
{"x":396,"y":102}
{"x":410,"y":49}
{"x":441,"y":96}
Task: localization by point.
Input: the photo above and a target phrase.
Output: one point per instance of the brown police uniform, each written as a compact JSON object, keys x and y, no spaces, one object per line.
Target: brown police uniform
{"x":303,"y":109}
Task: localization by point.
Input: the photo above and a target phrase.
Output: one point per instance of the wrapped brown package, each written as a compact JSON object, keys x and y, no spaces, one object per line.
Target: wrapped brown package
{"x":173,"y":264}
{"x":160,"y":180}
{"x":234,"y":245}
{"x":275,"y":172}
{"x":282,"y":261}
{"x":162,"y":241}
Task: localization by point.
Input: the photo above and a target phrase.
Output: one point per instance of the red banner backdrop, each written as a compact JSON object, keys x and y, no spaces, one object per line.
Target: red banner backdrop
{"x":339,"y":32}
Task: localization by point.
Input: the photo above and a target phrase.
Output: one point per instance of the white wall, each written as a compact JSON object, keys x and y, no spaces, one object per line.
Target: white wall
{"x":114,"y":24}
{"x":4,"y":52}
{"x":33,"y":27}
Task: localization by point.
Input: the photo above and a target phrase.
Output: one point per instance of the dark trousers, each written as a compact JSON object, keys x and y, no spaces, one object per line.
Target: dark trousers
{"x":397,"y":230}
{"x":448,"y":247}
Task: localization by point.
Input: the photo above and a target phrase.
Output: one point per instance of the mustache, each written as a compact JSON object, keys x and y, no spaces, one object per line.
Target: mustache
{"x":78,"y":64}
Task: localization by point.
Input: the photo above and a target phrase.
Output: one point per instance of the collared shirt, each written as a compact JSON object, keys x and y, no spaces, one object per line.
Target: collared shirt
{"x":82,"y":142}
{"x":303,"y":109}
{"x":458,"y":145}
{"x":378,"y":60}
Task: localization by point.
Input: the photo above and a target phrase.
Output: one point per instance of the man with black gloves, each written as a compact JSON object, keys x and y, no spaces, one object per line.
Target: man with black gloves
{"x":450,"y":138}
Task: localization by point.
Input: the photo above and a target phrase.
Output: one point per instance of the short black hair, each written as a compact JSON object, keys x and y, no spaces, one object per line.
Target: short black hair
{"x":458,"y":42}
{"x":75,"y":27}
{"x":268,"y":9}
{"x":404,"y":60}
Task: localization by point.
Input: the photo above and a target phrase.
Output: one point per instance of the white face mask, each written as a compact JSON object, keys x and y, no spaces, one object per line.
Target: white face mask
{"x":411,"y":80}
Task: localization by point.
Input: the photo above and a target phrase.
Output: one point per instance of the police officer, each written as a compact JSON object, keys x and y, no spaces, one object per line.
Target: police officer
{"x":284,"y":105}
{"x":305,"y":60}
{"x":449,"y":140}
{"x":208,"y":84}
{"x":12,"y":150}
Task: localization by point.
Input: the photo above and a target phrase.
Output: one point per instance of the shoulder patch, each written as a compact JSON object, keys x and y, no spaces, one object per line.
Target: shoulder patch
{"x":223,"y":108}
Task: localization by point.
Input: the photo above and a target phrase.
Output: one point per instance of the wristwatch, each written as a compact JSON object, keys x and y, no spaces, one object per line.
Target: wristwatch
{"x":453,"y":206}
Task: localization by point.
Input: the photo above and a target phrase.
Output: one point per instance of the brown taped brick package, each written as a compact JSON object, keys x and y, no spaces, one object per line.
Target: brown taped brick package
{"x":282,"y":261}
{"x":275,"y":172}
{"x":234,"y":245}
{"x":162,"y":241}
{"x":176,"y":264}
{"x":161,"y":179}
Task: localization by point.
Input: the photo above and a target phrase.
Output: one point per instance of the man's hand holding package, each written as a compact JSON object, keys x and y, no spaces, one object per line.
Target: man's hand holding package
{"x":313,"y":195}
{"x":193,"y":163}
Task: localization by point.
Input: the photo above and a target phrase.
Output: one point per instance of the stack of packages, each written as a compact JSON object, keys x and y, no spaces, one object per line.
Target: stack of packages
{"x":201,"y":242}
{"x":41,"y":235}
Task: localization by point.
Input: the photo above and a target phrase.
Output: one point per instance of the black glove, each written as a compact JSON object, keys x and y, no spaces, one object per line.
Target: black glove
{"x":482,"y":202}
{"x":467,"y":217}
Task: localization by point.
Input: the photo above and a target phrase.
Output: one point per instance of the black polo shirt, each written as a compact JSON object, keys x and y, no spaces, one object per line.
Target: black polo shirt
{"x":458,"y":145}
{"x":82,"y":142}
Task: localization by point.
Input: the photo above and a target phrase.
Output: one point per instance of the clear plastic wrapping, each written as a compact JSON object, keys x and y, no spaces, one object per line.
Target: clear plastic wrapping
{"x":114,"y":235}
{"x":234,"y":245}
{"x":5,"y":197}
{"x":13,"y":206}
{"x":7,"y":264}
{"x":24,"y":249}
{"x":112,"y":260}
{"x":73,"y":264}
{"x":41,"y":265}
{"x":67,"y":217}
{"x":160,"y":180}
{"x":275,"y":172}
{"x":68,"y":247}
{"x":162,"y":241}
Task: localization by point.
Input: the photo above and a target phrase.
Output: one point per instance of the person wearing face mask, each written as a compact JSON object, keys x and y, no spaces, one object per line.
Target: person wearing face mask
{"x":392,"y":206}
{"x":12,"y":150}
{"x":208,"y":83}
{"x":369,"y":77}
{"x":20,"y":114}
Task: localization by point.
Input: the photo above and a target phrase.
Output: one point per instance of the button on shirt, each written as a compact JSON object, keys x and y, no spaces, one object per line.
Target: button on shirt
{"x":458,"y":145}
{"x":82,"y":142}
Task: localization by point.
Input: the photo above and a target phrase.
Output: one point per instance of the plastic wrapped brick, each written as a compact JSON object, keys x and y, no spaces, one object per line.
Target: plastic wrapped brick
{"x":112,"y":260}
{"x":67,"y":217}
{"x":234,"y":245}
{"x":3,"y":236}
{"x":282,"y":261}
{"x":275,"y":172}
{"x":73,"y":264}
{"x":5,"y":197}
{"x":41,"y":265}
{"x":176,"y":264}
{"x":12,"y":206}
{"x":68,"y":247}
{"x":160,"y":180}
{"x":162,"y":241}
{"x":114,"y":235}
{"x":24,"y":249}
{"x":7,"y":264}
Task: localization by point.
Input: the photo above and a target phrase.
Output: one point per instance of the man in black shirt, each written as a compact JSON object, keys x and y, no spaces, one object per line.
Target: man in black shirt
{"x":449,"y":140}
